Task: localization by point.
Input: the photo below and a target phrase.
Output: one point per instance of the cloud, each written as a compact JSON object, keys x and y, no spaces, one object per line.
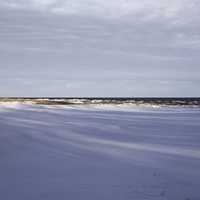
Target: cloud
{"x":146,"y":9}
{"x":132,"y":43}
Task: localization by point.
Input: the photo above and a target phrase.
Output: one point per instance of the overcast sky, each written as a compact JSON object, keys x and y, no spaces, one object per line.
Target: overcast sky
{"x":99,"y":48}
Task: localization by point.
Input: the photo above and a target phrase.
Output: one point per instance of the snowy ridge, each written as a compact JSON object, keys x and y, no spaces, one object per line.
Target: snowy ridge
{"x":126,"y":102}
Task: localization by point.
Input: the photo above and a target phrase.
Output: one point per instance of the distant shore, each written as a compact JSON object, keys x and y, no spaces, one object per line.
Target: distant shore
{"x":193,"y":101}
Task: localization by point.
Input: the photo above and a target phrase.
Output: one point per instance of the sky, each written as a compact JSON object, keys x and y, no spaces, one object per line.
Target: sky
{"x":132,"y":48}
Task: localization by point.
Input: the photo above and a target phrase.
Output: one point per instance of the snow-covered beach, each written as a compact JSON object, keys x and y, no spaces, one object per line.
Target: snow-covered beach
{"x":102,"y":152}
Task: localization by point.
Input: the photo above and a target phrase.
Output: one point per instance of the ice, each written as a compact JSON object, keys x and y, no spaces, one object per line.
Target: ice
{"x":99,"y":152}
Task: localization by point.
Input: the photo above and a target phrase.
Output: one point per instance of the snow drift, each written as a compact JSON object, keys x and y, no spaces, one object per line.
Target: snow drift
{"x":85,"y":152}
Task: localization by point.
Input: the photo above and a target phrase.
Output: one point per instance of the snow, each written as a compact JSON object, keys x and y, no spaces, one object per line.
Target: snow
{"x":99,"y":152}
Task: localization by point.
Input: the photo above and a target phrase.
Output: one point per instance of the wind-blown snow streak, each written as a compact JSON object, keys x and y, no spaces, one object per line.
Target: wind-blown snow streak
{"x":61,"y":152}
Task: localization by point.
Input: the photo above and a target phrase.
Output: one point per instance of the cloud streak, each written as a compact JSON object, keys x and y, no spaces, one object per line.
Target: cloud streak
{"x":146,"y":9}
{"x":146,"y":41}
